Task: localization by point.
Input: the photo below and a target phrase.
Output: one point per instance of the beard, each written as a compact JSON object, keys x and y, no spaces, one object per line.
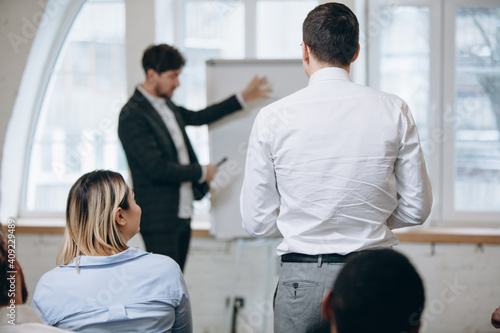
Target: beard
{"x":164,"y":94}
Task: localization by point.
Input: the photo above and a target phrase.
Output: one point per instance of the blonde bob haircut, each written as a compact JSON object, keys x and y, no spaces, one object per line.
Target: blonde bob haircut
{"x":91,"y":228}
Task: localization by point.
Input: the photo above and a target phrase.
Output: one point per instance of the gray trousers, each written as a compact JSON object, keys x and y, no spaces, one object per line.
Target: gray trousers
{"x":300,"y":291}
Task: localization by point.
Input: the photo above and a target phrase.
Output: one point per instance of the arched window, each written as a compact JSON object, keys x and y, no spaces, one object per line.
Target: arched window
{"x":76,"y":130}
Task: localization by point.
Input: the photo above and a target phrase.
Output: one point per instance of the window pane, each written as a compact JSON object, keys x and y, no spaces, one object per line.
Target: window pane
{"x":212,"y":30}
{"x":405,"y":60}
{"x":279,"y":27}
{"x":477,"y":109}
{"x":76,"y":130}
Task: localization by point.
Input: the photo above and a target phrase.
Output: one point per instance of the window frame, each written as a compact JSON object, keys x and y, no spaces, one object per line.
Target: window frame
{"x":450,"y":215}
{"x":20,"y":133}
{"x":440,"y":162}
{"x":59,"y":37}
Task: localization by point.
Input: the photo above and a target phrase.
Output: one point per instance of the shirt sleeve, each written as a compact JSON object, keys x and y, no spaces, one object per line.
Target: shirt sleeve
{"x":183,"y":316}
{"x":413,"y":184}
{"x":259,"y":199}
{"x":240,"y":99}
{"x":36,"y":304}
{"x":203,"y":174}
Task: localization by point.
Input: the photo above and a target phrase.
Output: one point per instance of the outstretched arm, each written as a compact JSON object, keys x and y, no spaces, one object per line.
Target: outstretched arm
{"x":256,"y":88}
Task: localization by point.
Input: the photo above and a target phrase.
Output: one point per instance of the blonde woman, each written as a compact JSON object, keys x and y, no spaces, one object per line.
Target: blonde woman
{"x":102,"y":285}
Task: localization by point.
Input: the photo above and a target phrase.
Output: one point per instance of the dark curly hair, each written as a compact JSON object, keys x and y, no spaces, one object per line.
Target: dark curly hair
{"x":161,"y":58}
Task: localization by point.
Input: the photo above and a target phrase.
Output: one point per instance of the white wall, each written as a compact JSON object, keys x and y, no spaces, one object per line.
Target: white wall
{"x":140,"y":27}
{"x":18,"y":22}
{"x":461,"y":281}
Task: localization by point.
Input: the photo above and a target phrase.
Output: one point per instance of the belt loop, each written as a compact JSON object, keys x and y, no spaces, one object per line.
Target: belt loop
{"x":320,"y":260}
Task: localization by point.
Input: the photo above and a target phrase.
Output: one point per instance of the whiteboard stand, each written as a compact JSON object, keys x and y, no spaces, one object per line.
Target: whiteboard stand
{"x":271,"y":275}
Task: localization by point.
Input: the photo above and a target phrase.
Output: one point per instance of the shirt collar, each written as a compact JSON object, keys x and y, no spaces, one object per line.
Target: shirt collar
{"x":128,"y":254}
{"x":329,"y":73}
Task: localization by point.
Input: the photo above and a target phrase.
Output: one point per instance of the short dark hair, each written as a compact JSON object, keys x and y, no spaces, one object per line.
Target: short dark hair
{"x":331,"y":31}
{"x":161,"y":58}
{"x":379,"y":288}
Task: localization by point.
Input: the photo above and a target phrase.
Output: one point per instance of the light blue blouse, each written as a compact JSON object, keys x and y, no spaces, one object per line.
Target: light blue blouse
{"x":132,"y":291}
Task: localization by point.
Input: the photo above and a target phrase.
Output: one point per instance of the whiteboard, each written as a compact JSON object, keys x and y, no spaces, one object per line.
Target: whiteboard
{"x":228,"y":137}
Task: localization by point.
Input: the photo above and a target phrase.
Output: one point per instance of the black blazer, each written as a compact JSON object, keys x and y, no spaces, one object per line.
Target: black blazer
{"x":152,"y":156}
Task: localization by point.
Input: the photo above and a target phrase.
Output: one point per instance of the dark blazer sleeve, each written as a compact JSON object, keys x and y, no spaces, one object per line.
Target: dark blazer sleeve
{"x":211,"y":113}
{"x":149,"y":149}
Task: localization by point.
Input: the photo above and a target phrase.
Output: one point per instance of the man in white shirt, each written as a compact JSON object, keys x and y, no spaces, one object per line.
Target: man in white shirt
{"x":332,"y":169}
{"x":165,"y":171}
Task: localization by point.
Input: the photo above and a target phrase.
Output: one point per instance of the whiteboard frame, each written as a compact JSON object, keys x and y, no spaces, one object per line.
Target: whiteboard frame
{"x":228,"y":137}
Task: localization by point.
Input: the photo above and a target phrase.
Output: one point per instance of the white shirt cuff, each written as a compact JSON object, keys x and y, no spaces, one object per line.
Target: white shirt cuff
{"x":240,"y":99}
{"x":203,"y":174}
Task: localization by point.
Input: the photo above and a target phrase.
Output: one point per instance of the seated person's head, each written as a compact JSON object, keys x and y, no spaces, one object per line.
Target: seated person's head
{"x":101,"y":216}
{"x":12,"y":285}
{"x":376,"y":291}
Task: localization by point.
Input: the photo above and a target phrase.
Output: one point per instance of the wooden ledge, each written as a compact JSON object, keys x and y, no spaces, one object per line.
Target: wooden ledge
{"x":48,"y":230}
{"x":45,"y":230}
{"x":450,"y":235}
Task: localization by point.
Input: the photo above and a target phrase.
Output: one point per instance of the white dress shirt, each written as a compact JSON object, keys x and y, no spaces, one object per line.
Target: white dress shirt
{"x":132,"y":291}
{"x":333,"y":168}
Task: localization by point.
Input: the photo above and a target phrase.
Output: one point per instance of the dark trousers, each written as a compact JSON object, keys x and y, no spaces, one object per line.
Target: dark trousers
{"x":173,"y":242}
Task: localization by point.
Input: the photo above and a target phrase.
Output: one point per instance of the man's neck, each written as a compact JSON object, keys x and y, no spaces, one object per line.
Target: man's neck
{"x":316,"y":66}
{"x":149,"y":88}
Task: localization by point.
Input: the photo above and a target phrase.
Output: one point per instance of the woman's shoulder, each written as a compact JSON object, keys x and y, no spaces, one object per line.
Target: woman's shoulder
{"x":158,"y":271}
{"x":158,"y":260}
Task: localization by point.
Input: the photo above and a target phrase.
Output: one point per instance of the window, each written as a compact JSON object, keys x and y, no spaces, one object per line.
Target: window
{"x":279,"y":27}
{"x":442,"y":57}
{"x":76,"y":128}
{"x":477,"y":106}
{"x":452,"y":92}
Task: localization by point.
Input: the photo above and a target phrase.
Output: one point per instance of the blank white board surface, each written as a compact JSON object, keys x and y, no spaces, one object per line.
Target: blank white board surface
{"x":229,"y":136}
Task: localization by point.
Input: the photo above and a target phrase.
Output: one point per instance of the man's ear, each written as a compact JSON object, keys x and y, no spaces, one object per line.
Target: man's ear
{"x":305,"y":53}
{"x":119,"y":217}
{"x":356,"y":55}
{"x":150,"y":74}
